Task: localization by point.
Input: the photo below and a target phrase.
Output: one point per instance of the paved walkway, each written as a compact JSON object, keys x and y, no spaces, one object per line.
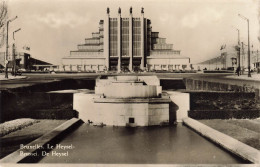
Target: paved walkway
{"x":254,"y":77}
{"x":10,"y":77}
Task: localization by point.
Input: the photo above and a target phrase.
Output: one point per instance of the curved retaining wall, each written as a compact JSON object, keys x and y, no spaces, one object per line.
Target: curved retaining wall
{"x":128,"y":91}
{"x":197,"y":84}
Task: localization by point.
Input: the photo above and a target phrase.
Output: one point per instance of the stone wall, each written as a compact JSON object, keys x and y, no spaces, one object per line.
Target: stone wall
{"x":196,"y":84}
{"x":180,"y":105}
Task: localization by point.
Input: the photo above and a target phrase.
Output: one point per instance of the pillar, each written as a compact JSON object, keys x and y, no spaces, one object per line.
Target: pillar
{"x":119,"y":54}
{"x":131,"y":41}
{"x":142,"y":40}
{"x":106,"y":39}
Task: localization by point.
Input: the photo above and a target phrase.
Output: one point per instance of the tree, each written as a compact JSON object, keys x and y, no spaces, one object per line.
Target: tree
{"x":3,"y":19}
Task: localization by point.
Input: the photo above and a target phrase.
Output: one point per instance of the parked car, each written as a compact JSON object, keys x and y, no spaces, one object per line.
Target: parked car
{"x":18,"y":72}
{"x":231,"y":68}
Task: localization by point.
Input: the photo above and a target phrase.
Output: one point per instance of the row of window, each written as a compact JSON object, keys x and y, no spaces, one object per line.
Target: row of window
{"x":90,"y":47}
{"x":113,"y":38}
{"x":136,"y":30}
{"x":112,"y":30}
{"x":125,"y":45}
{"x":162,"y":46}
{"x":125,"y":52}
{"x":136,"y":37}
{"x":86,"y":53}
{"x":113,"y":19}
{"x":113,"y":24}
{"x":113,"y":46}
{"x":125,"y":31}
{"x":135,"y":18}
{"x":95,"y":34}
{"x":155,"y":34}
{"x":160,"y":40}
{"x":125,"y":38}
{"x":166,"y":67}
{"x":136,"y":52}
{"x":92,"y":41}
{"x":136,"y":23}
{"x":125,"y":23}
{"x":165,"y":53}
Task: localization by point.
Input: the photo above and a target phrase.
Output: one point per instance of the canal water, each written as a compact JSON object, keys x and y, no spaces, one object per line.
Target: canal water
{"x":142,"y":145}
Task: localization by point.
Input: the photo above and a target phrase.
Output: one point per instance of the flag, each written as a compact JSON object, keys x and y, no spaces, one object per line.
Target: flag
{"x":26,"y":48}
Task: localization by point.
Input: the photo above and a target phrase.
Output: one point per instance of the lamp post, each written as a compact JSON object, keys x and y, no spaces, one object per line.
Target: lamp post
{"x":6,"y":54}
{"x":243,"y":17}
{"x":14,"y":59}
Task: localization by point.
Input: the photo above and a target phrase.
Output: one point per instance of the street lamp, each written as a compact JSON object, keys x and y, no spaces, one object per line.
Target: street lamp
{"x":243,"y":17}
{"x":6,"y":55}
{"x":16,"y":32}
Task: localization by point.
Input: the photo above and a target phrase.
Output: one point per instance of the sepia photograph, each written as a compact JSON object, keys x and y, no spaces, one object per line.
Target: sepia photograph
{"x":130,"y":83}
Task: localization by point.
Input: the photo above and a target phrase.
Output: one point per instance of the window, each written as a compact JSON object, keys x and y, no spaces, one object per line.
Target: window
{"x":131,"y":120}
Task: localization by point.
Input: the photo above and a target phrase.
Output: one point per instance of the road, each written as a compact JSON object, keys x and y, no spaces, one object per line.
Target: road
{"x":33,"y":79}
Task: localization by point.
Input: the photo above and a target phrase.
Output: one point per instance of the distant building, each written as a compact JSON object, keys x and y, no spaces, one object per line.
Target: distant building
{"x":25,"y":62}
{"x":256,"y":60}
{"x":126,"y":44}
{"x":22,"y":60}
{"x":228,"y":58}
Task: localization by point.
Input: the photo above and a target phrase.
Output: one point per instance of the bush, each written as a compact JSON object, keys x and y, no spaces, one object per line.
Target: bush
{"x":14,"y":125}
{"x":224,"y":114}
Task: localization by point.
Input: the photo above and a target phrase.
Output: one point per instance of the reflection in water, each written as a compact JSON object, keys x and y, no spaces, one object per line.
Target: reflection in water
{"x":161,"y":145}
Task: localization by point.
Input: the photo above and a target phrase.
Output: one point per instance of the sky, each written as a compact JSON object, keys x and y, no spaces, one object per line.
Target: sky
{"x":52,"y":28}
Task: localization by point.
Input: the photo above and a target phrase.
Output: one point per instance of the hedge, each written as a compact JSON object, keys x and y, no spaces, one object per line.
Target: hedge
{"x":224,"y":114}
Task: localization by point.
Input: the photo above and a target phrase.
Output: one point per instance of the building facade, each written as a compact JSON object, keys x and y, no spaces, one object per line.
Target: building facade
{"x":22,"y":60}
{"x":125,"y":44}
{"x":25,"y":62}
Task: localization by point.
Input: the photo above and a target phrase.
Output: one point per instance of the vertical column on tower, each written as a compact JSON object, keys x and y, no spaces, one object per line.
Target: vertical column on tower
{"x":106,"y":40}
{"x":131,"y":41}
{"x":119,"y":40}
{"x":142,"y":39}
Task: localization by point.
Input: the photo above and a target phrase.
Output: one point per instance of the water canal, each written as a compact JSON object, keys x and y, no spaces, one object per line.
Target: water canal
{"x":142,"y":145}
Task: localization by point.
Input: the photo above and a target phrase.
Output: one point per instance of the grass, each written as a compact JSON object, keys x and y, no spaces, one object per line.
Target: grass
{"x":11,"y":142}
{"x":245,"y":130}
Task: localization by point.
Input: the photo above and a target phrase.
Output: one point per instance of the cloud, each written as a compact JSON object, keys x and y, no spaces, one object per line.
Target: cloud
{"x":164,"y":17}
{"x":202,"y":16}
{"x":57,"y":20}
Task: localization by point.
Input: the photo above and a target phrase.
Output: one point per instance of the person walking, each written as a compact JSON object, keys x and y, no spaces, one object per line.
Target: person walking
{"x":238,"y":71}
